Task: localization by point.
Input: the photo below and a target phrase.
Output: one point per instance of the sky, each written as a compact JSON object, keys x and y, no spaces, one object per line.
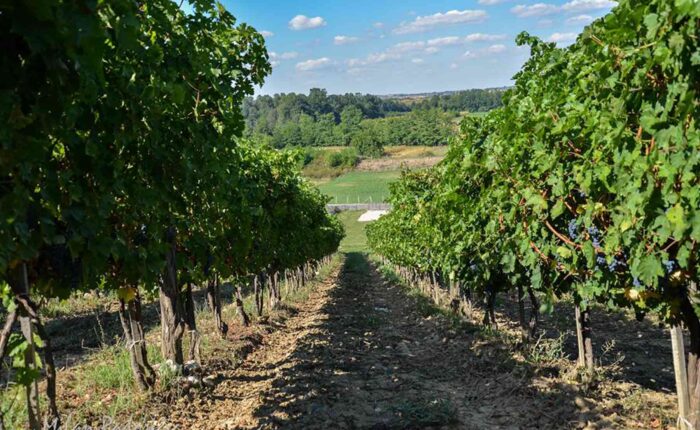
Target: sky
{"x":405,"y":46}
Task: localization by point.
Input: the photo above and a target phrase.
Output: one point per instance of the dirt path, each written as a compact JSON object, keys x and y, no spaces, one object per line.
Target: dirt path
{"x":360,"y":354}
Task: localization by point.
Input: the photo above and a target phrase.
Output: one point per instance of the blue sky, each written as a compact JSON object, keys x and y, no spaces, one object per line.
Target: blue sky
{"x":405,"y":46}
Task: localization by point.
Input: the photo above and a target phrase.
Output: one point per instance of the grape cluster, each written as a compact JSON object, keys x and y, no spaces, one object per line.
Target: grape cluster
{"x":670,"y":265}
{"x":615,"y":263}
{"x":595,"y":235}
{"x":573,"y":227}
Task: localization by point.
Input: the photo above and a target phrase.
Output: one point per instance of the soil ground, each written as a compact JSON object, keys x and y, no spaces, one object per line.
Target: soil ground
{"x":357,"y":349}
{"x":363,"y":352}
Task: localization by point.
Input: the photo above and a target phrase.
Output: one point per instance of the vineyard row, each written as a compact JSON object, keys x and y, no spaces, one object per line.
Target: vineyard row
{"x":586,"y":182}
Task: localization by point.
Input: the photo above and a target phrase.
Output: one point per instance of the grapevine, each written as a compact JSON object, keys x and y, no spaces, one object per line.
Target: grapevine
{"x":585,"y":182}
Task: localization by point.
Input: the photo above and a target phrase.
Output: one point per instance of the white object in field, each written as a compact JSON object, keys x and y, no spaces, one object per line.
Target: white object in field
{"x":371,"y":215}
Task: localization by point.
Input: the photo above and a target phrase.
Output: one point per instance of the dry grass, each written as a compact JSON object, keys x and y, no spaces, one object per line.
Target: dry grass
{"x":394,"y":158}
{"x":404,"y":152}
{"x":98,"y":387}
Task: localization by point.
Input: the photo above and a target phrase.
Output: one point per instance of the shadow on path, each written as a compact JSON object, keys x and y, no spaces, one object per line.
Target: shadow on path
{"x":374,"y":360}
{"x":75,"y":337}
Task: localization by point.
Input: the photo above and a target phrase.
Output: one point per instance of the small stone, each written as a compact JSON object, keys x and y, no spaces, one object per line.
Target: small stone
{"x":194,"y":381}
{"x":192,"y":367}
{"x":581,"y":403}
{"x":209,"y":381}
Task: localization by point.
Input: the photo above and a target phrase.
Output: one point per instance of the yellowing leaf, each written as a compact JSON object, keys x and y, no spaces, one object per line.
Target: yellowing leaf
{"x":126,"y":293}
{"x":676,"y":216}
{"x":564,"y":252}
{"x":625,"y":225}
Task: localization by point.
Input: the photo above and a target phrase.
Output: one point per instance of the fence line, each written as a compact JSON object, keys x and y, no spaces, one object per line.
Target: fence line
{"x":341,"y":207}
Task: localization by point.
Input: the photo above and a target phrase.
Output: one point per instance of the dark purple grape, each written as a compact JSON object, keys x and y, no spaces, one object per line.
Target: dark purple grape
{"x":573,"y":227}
{"x":670,"y":265}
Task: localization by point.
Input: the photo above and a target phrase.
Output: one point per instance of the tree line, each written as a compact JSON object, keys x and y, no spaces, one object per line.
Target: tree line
{"x":122,"y":169}
{"x":421,"y":127}
{"x":585,"y":183}
{"x":319,"y":119}
{"x":474,"y":100}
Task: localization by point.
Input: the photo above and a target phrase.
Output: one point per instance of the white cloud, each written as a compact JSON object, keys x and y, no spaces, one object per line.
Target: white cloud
{"x":417,"y":61}
{"x":562,"y":37}
{"x":490,"y":50}
{"x":428,"y":47}
{"x":580,"y":19}
{"x":537,"y":9}
{"x":543,"y":9}
{"x":431,"y":45}
{"x":303,"y":22}
{"x":408,"y":46}
{"x":495,"y":49}
{"x":309,"y":65}
{"x":378,"y":25}
{"x":444,"y":41}
{"x":266,"y":33}
{"x":289,"y":55}
{"x":344,"y":40}
{"x":382,"y":57}
{"x":429,"y":22}
{"x":454,"y":66}
{"x":490,"y":2}
{"x":481,"y":37}
{"x":355,"y":71}
{"x":275,"y":57}
{"x":582,"y":5}
{"x":375,"y":58}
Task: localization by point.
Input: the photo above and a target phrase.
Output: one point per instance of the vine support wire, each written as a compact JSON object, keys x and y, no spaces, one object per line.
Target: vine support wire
{"x":681,"y":377}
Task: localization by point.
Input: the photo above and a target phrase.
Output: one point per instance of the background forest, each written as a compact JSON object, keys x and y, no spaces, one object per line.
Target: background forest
{"x":366,"y":122}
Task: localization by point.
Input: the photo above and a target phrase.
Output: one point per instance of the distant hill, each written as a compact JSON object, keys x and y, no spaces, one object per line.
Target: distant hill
{"x":418,"y":96}
{"x":474,"y":100}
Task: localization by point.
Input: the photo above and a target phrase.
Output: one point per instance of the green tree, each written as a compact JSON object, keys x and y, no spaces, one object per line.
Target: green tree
{"x":350,"y":119}
{"x":367,"y":143}
{"x":288,"y":134}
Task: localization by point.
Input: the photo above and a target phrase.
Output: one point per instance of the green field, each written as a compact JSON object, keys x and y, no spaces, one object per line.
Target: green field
{"x":355,"y":238}
{"x":359,"y":187}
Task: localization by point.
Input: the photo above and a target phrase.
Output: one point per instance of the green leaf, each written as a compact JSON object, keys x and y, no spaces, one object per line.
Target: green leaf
{"x":564,"y":252}
{"x":557,"y":209}
{"x":676,"y":216}
{"x":650,"y":269}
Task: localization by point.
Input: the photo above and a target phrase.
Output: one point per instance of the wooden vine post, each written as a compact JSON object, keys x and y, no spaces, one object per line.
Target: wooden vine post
{"x":679,"y":368}
{"x":579,"y":337}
